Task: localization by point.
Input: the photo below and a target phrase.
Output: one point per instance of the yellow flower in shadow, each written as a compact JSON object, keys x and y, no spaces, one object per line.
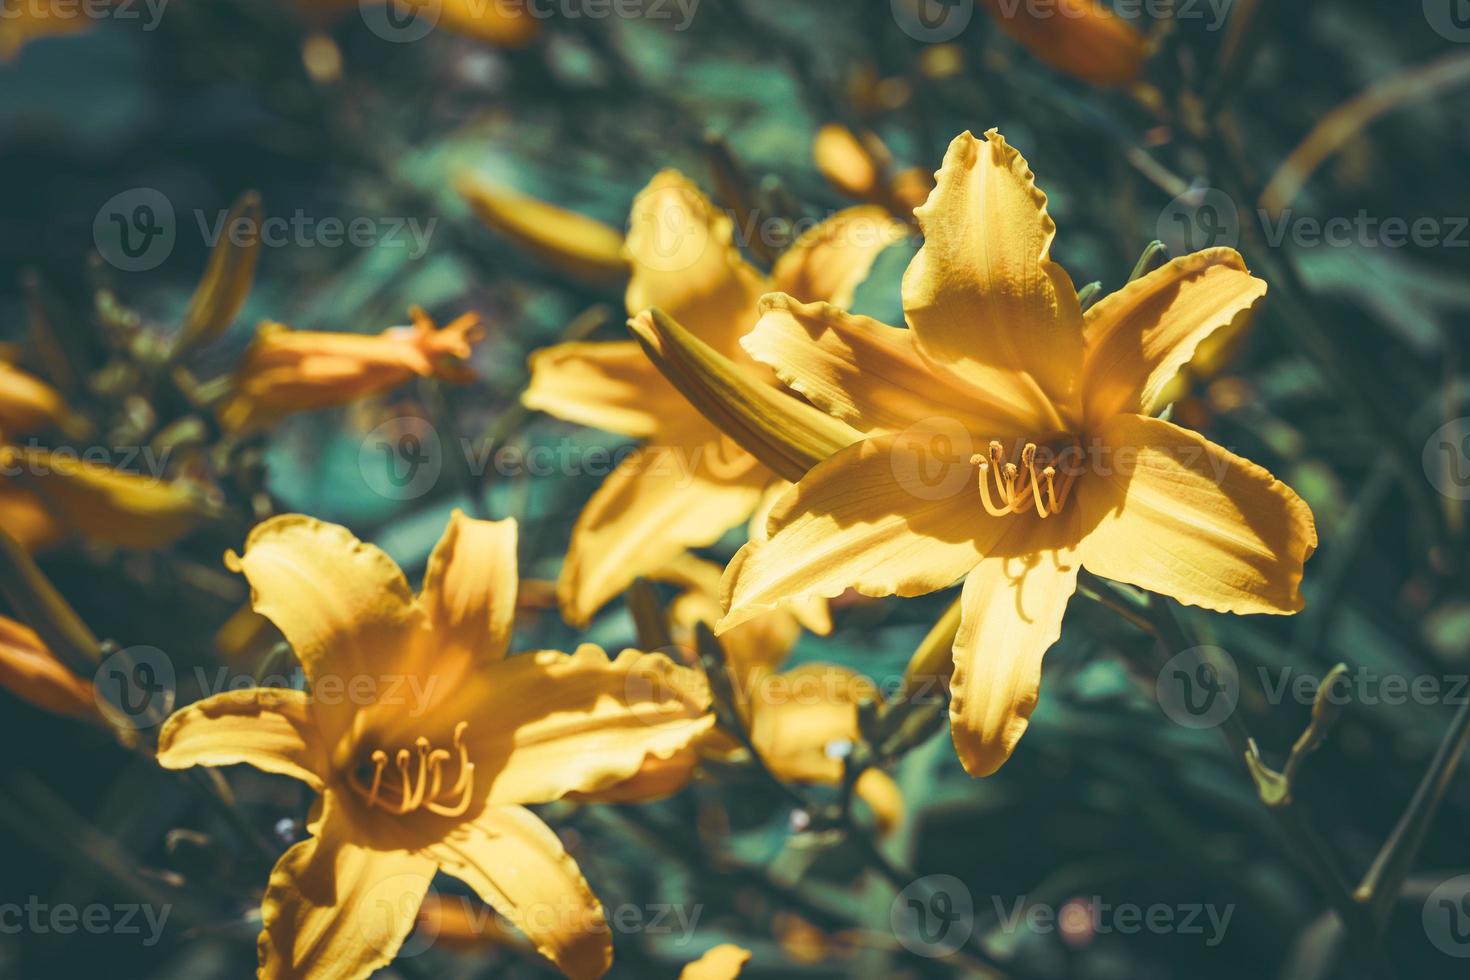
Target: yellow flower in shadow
{"x":426,"y":743}
{"x":689,"y":483}
{"x":1009,"y":444}
{"x":287,"y":371}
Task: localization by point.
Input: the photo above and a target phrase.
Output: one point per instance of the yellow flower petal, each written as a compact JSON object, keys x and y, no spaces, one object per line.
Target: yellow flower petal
{"x":27,"y":403}
{"x":469,"y":593}
{"x":830,"y":260}
{"x":272,"y":729}
{"x":847,"y":163}
{"x":336,"y":911}
{"x":1178,"y":515}
{"x":1079,"y":37}
{"x":519,"y":867}
{"x":724,"y":962}
{"x":343,"y":605}
{"x":1012,"y":607}
{"x":1142,"y":336}
{"x":611,"y":386}
{"x":858,"y":520}
{"x":685,"y":262}
{"x":556,"y":724}
{"x":227,"y":279}
{"x":983,"y":295}
{"x":657,"y":779}
{"x":30,"y":671}
{"x":659,"y":502}
{"x":797,"y":716}
{"x":504,"y":25}
{"x":866,"y":373}
{"x":581,"y":247}
{"x":122,"y":509}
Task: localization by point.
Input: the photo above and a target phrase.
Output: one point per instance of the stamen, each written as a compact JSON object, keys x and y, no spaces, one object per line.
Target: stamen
{"x":1018,"y":489}
{"x":985,"y":500}
{"x":421,"y":778}
{"x":380,"y":760}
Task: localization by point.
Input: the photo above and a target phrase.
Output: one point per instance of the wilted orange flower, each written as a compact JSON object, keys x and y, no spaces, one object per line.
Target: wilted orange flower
{"x":691,"y":483}
{"x":1068,"y":468}
{"x":29,"y":670}
{"x":288,"y":371}
{"x":426,"y":742}
{"x":1080,"y":37}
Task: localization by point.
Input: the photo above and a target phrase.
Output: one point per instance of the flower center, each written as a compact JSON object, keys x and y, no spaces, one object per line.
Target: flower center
{"x":1042,"y":480}
{"x":416,"y":779}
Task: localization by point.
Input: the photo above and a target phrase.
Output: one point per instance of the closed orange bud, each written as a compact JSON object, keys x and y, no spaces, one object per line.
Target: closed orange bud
{"x":31,"y":672}
{"x":1079,"y":37}
{"x":288,"y":371}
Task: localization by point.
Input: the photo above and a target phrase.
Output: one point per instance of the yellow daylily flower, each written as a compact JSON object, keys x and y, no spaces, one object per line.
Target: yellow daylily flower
{"x":1009,"y":445}
{"x":1082,"y":38}
{"x":100,"y":503}
{"x":29,"y":670}
{"x":690,"y":483}
{"x":288,"y":371}
{"x":723,"y":962}
{"x":426,"y":743}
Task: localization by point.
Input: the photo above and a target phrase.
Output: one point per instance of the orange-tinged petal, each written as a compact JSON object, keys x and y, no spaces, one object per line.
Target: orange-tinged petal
{"x":866,"y":373}
{"x":575,"y":244}
{"x":1080,"y":37}
{"x":519,"y":867}
{"x":27,"y":520}
{"x":30,"y":671}
{"x":611,"y":386}
{"x":343,"y":605}
{"x":724,"y":962}
{"x":27,"y":403}
{"x":830,"y":260}
{"x":1173,"y":513}
{"x":112,"y":506}
{"x":504,"y":25}
{"x":983,"y":296}
{"x":469,"y":593}
{"x":685,"y":261}
{"x":657,"y":779}
{"x":799,"y":718}
{"x":1142,"y":336}
{"x":272,"y":729}
{"x":865,"y":520}
{"x":659,"y":502}
{"x":336,"y":911}
{"x":1011,"y":614}
{"x":556,"y":723}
